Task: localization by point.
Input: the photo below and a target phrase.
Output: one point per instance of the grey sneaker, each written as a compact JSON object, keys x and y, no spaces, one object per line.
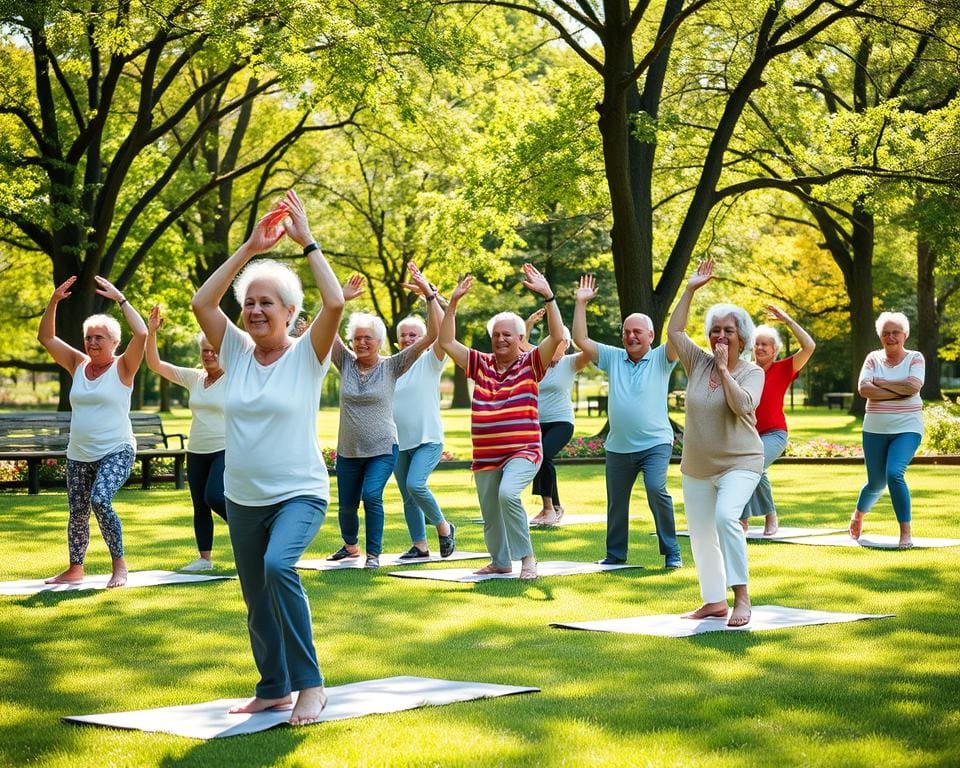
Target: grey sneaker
{"x":200,"y":564}
{"x":448,"y":543}
{"x":373,"y":561}
{"x":672,"y":562}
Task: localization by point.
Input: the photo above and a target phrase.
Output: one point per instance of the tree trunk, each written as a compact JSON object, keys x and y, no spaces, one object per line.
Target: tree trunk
{"x":461,"y":392}
{"x":863,"y":332}
{"x":927,"y":333}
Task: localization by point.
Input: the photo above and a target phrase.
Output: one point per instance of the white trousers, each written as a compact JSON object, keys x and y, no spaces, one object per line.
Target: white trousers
{"x":713,"y":507}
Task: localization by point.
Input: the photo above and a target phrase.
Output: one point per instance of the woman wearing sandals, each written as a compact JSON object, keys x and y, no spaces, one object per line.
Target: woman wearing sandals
{"x":722,"y":452}
{"x":504,"y":426}
{"x":890,"y":380}
{"x":206,"y":446}
{"x":555,"y":409}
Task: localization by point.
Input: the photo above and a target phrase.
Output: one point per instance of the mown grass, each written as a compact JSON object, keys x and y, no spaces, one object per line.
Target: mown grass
{"x":877,"y":693}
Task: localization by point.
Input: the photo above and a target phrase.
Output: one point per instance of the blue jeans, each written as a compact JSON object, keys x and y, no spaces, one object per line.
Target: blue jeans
{"x":887,"y":458}
{"x":622,"y":471}
{"x":205,"y":476}
{"x":419,"y":506}
{"x":761,"y":503}
{"x":267,"y":543}
{"x":363,"y":479}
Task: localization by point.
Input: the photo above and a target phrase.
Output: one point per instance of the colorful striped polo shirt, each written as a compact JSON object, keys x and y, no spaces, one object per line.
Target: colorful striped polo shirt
{"x":504,"y":422}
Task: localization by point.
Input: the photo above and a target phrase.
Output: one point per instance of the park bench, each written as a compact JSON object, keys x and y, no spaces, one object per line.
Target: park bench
{"x":36,"y":436}
{"x":596,"y":401}
{"x":842,"y":400}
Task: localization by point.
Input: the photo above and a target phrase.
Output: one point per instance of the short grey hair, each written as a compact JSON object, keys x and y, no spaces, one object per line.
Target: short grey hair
{"x":646,"y":319}
{"x":518,"y":325}
{"x":414,"y":321}
{"x":110,"y":323}
{"x":366,"y":320}
{"x":897,"y":318}
{"x":745,"y":327}
{"x":771,"y":333}
{"x":284,"y":279}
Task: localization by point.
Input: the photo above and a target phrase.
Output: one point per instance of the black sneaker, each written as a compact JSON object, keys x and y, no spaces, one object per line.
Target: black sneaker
{"x":373,"y":561}
{"x":414,"y":554}
{"x":447,"y":543}
{"x":343,"y":553}
{"x":610,"y":560}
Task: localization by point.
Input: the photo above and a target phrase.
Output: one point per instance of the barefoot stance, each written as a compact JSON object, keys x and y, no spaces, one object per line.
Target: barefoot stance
{"x":73,"y":575}
{"x":491,"y":568}
{"x":708,"y":611}
{"x":310,"y":704}
{"x":771,"y":524}
{"x":740,"y":615}
{"x":256,"y":704}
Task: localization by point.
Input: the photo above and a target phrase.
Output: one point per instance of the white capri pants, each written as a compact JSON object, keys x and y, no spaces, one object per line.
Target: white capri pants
{"x":713,"y":506}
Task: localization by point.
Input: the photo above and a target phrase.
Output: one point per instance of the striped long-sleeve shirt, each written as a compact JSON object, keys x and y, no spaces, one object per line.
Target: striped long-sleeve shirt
{"x":504,"y":422}
{"x":903,"y":414}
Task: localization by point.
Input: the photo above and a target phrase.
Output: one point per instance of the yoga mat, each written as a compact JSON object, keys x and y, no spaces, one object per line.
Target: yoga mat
{"x":211,"y":720}
{"x":134,"y":579}
{"x":873,"y":542}
{"x":764,"y":617}
{"x":785,"y":532}
{"x":565,"y":520}
{"x":545,"y":568}
{"x":386,"y":560}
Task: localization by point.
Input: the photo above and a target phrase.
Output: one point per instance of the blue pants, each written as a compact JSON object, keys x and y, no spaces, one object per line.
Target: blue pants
{"x":205,"y":476}
{"x":887,"y":457}
{"x":554,"y":435}
{"x":267,"y":543}
{"x":412,"y":470}
{"x":363,"y":479}
{"x":761,"y":503}
{"x":506,"y":531}
{"x":622,"y":471}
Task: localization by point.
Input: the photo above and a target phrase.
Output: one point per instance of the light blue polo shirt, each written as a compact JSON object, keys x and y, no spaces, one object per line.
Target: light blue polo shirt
{"x":637,"y":398}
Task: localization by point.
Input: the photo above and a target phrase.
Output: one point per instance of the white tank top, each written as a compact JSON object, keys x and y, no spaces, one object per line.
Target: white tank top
{"x":100,"y":424}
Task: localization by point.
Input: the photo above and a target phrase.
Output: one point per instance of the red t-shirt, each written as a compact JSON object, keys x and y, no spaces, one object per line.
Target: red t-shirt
{"x":504,"y":422}
{"x":770,"y":408}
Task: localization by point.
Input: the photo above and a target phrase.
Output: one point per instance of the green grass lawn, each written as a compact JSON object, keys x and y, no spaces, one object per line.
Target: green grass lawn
{"x":877,"y":693}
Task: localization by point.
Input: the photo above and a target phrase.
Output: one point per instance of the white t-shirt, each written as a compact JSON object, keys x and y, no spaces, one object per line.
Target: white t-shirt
{"x":272,"y":453}
{"x":555,"y":388}
{"x":206,"y":410}
{"x":100,"y":423}
{"x":416,"y":403}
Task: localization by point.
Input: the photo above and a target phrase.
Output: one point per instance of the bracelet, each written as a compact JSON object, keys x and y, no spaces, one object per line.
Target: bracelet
{"x":122,"y":301}
{"x":552,"y":298}
{"x":432,"y":297}
{"x":308,"y":249}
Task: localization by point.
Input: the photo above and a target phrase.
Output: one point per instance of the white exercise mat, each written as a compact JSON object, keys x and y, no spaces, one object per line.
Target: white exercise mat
{"x":386,"y":561}
{"x":134,"y":579}
{"x":564,"y":521}
{"x":763,"y":617}
{"x":784,"y":533}
{"x":211,"y":719}
{"x":873,"y":542}
{"x":545,"y":568}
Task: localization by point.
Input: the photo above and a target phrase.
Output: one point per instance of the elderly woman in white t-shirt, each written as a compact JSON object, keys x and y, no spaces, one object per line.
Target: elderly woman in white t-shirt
{"x":275,"y":480}
{"x":416,"y":412}
{"x":206,"y":443}
{"x":555,"y":408}
{"x":101,"y":448}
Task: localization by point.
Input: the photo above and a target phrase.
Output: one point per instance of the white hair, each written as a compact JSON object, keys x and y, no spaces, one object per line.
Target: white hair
{"x":280,"y":276}
{"x":646,"y":319}
{"x":771,"y":333}
{"x":413,"y":320}
{"x":519,"y":326}
{"x":105,"y":321}
{"x":366,"y":320}
{"x":745,"y":327}
{"x":897,"y":318}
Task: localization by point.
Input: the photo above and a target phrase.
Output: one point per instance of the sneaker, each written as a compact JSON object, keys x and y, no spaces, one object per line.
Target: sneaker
{"x":200,"y":564}
{"x":608,"y":560}
{"x":414,"y":554}
{"x":343,"y":553}
{"x":447,"y":543}
{"x":373,"y":561}
{"x":672,"y":562}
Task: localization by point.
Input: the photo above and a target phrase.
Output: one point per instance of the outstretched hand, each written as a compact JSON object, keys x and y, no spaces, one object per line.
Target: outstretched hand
{"x":269,"y":230}
{"x":353,"y":287}
{"x":535,"y":281}
{"x":107,"y":289}
{"x":418,"y":283}
{"x":462,"y":288}
{"x":295,"y":221}
{"x":587,"y":289}
{"x":534,"y":318}
{"x":702,"y":275}
{"x":775,"y":313}
{"x":62,"y":291}
{"x":154,"y":321}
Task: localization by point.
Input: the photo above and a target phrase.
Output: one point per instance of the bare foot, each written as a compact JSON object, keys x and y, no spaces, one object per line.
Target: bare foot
{"x":770,"y":524}
{"x":310,"y":703}
{"x":256,"y":704}
{"x":745,"y":524}
{"x":551,"y":518}
{"x":906,"y":538}
{"x":73,"y":575}
{"x":119,"y":577}
{"x":856,"y":525}
{"x":491,"y":568}
{"x":528,"y":568}
{"x":740,"y":615}
{"x":708,"y":611}
{"x":538,"y":519}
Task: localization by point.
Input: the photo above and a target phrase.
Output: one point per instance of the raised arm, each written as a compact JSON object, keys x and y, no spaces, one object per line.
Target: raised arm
{"x":807,"y":344}
{"x":154,"y":363}
{"x":326,"y":324}
{"x":528,"y":325}
{"x":421,"y":286}
{"x":206,"y":301}
{"x":132,"y":356}
{"x":582,"y":297}
{"x":448,"y":327}
{"x":676,"y":328}
{"x":66,"y":357}
{"x":536,"y":282}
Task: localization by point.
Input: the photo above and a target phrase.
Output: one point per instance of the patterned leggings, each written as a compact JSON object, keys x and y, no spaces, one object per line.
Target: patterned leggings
{"x":91,"y":485}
